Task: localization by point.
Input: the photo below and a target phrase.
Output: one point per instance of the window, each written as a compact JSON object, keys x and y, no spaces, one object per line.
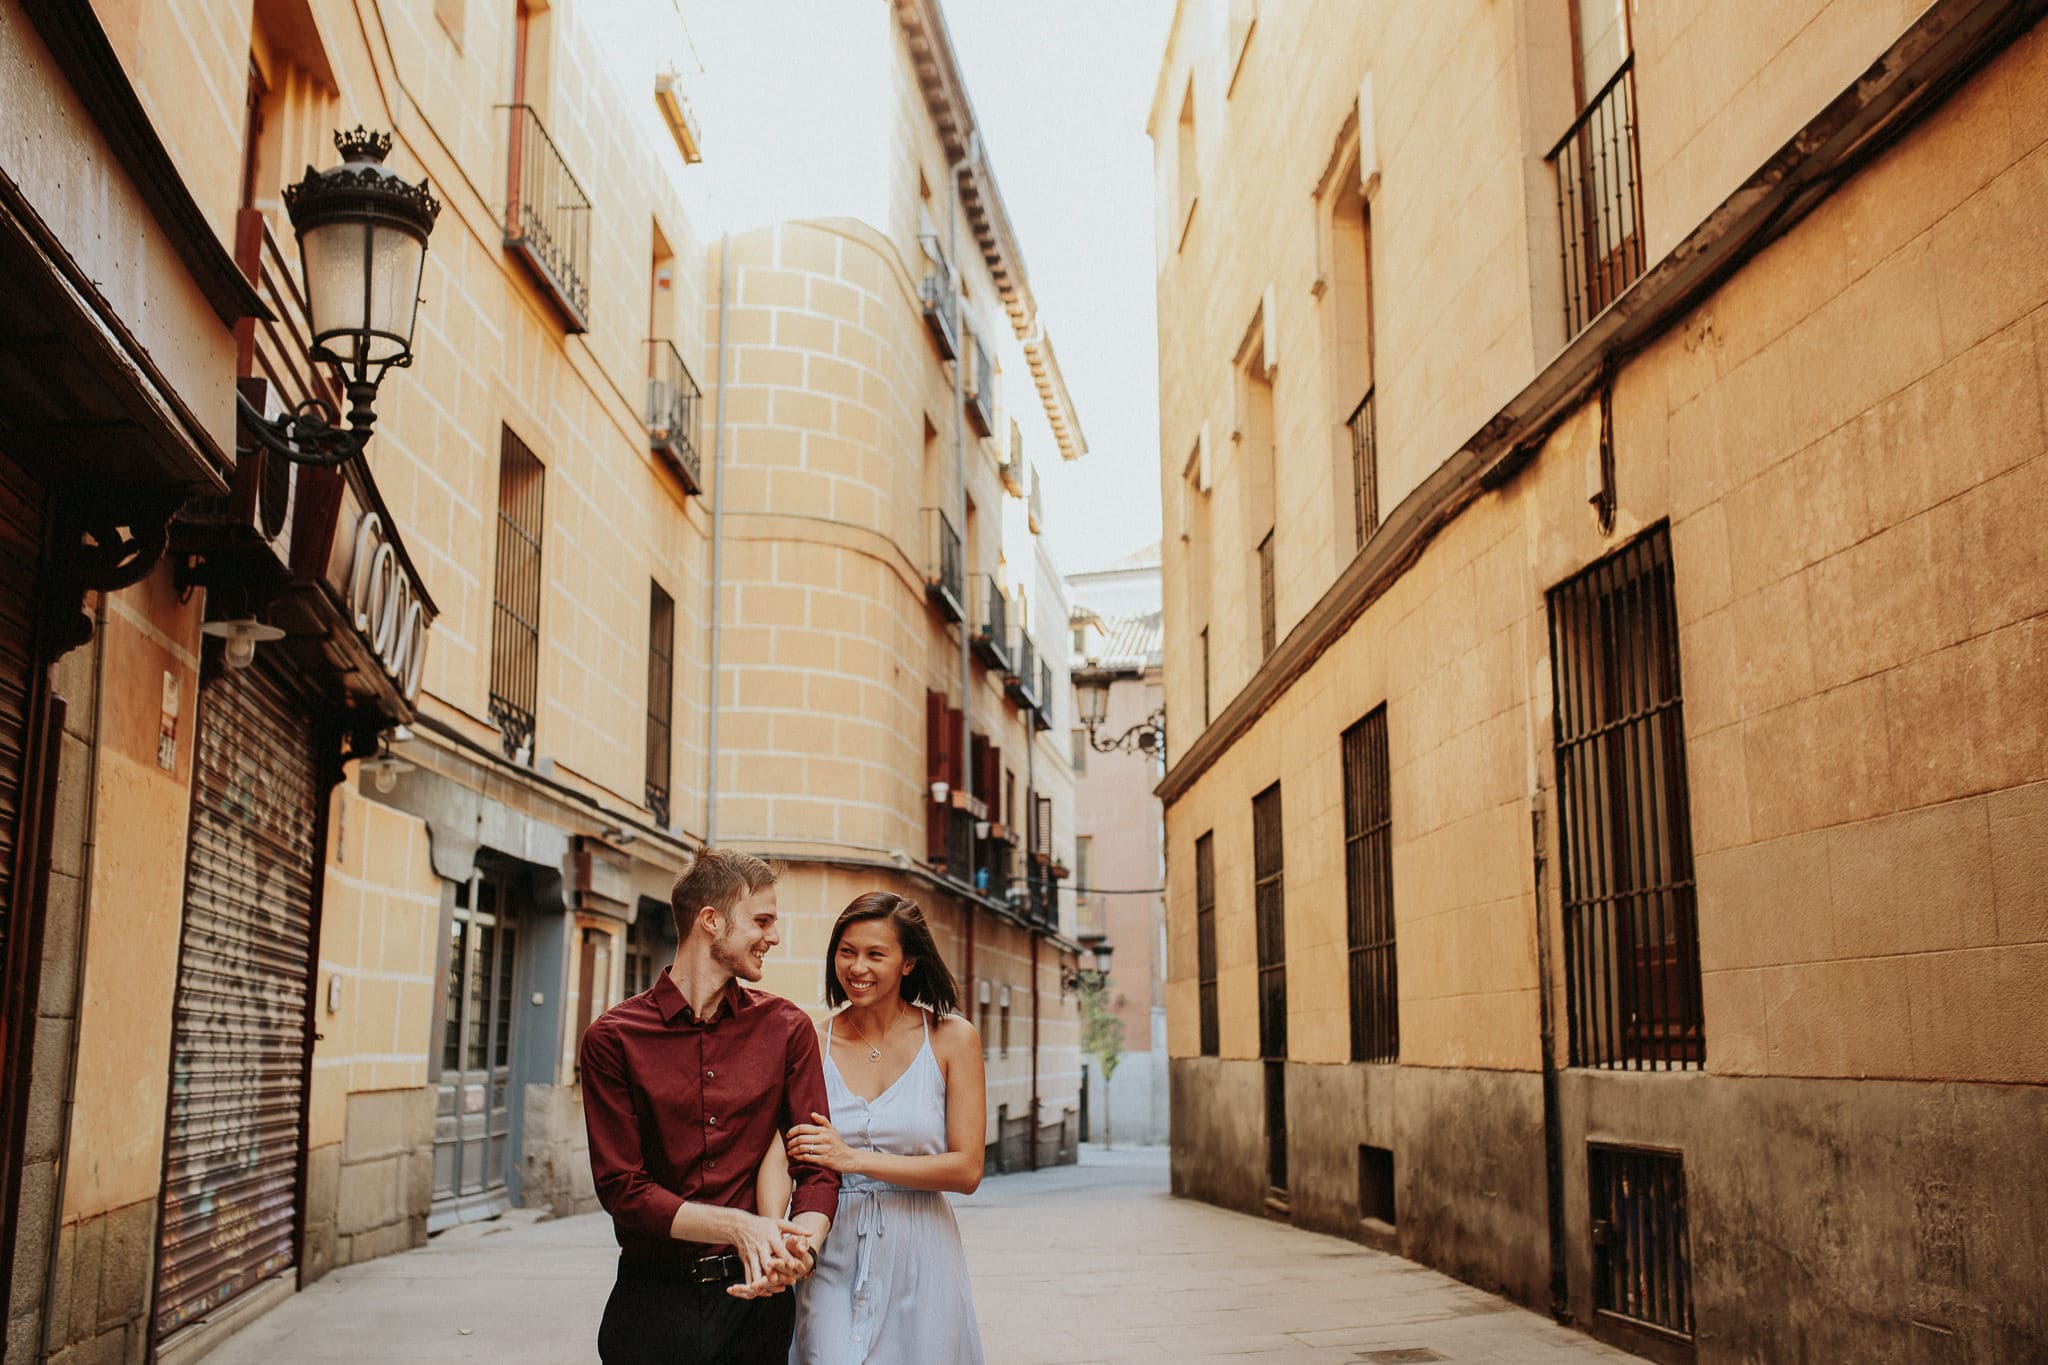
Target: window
{"x":1205,"y":677}
{"x":1186,"y":184}
{"x":1642,"y":1246}
{"x":515,"y":611}
{"x":1270,"y":912}
{"x":1632,"y":961}
{"x":1369,"y":891}
{"x":1376,"y":1184}
{"x":1087,"y":910}
{"x":661,"y":671}
{"x":1599,"y":175}
{"x":1205,"y":941}
{"x":1080,"y":755}
{"x":1005,"y":1021}
{"x":1348,"y":333}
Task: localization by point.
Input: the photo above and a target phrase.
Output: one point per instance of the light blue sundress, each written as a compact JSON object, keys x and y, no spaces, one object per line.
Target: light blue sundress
{"x":891,"y":1284}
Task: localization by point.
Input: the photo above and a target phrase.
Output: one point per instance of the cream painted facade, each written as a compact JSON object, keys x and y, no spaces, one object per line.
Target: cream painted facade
{"x":842,"y":640}
{"x":1832,"y":417}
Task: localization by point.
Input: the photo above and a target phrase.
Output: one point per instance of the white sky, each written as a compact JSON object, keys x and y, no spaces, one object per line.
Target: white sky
{"x":1061,"y":88}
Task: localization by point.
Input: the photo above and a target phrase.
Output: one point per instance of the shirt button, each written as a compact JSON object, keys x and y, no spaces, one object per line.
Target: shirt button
{"x":712,"y":1164}
{"x":710,"y":1075}
{"x":714,"y":1118}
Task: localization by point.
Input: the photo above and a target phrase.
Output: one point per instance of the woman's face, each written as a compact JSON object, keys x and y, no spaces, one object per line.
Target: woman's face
{"x":870,"y":964}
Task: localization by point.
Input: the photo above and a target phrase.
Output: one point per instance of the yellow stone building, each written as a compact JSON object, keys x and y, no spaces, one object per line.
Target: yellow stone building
{"x":1605,"y":647}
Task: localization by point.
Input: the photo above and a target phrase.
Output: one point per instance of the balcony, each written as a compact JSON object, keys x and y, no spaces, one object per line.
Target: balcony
{"x":1041,"y":715}
{"x":941,"y":298}
{"x":547,"y":219}
{"x":992,"y":630}
{"x":981,"y":388}
{"x":1034,"y":506}
{"x":1010,"y":462}
{"x":945,"y":582}
{"x":1600,"y":201}
{"x":672,"y":414}
{"x":1021,"y":684}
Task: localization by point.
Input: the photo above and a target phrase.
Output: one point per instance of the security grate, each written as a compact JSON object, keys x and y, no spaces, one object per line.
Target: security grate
{"x":515,"y":614}
{"x":1205,"y":941}
{"x":1269,"y":625}
{"x":661,"y":668}
{"x":1632,"y":961}
{"x":1369,"y":891}
{"x":1270,"y":915}
{"x":1642,"y":1249}
{"x":1365,"y":469}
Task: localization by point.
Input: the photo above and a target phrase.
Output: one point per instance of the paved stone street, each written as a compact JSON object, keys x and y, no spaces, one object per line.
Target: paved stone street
{"x":1088,"y":1263}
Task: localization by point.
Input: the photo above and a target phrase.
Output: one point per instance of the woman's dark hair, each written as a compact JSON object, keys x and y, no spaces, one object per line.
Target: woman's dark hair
{"x":928,"y":981}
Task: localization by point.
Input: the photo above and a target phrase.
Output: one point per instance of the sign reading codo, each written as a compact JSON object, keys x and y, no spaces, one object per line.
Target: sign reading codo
{"x":384,"y":609}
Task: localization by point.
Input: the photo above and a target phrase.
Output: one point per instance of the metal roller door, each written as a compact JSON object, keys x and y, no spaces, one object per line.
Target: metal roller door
{"x":245,"y":967}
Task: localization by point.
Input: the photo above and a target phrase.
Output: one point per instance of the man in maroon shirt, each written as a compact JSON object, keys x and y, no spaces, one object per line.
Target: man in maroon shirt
{"x":684,"y":1087}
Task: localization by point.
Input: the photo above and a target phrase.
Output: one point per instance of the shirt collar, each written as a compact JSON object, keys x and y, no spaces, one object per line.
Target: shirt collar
{"x":668,"y":998}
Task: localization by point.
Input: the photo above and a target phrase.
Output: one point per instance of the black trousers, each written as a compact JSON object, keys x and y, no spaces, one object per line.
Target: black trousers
{"x":654,"y":1317}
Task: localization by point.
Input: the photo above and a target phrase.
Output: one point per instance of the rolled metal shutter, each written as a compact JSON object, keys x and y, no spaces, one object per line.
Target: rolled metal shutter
{"x":245,"y":967}
{"x":21,"y":540}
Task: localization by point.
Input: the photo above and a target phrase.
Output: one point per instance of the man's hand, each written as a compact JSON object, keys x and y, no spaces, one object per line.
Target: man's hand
{"x":763,"y":1246}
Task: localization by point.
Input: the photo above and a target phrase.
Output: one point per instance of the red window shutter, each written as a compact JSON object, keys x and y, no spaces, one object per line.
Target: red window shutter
{"x":954,"y":767}
{"x":935,"y":737}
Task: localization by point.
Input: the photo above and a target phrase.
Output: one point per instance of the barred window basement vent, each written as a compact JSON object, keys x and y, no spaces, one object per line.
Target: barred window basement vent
{"x":1376,"y":1184}
{"x":1642,"y":1249}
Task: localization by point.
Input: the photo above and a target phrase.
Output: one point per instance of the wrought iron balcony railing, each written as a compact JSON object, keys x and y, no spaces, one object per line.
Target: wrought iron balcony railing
{"x":981,"y":390}
{"x":547,"y":218}
{"x":945,"y":572}
{"x":1022,"y":682}
{"x":940,"y":297}
{"x":992,"y":630}
{"x":1600,"y":201}
{"x":673,"y":405}
{"x":1365,"y":468}
{"x":1041,"y":715}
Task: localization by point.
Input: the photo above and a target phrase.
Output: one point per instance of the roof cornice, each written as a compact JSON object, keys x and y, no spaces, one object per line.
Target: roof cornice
{"x":981,"y":199}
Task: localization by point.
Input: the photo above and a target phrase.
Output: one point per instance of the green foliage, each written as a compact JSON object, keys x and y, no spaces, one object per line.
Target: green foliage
{"x":1102,"y":1033}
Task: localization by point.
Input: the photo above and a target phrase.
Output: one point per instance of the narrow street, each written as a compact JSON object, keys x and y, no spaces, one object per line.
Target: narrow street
{"x":1088,"y":1263}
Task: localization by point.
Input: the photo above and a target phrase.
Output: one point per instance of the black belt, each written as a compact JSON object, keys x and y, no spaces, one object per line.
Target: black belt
{"x":718,"y":1268}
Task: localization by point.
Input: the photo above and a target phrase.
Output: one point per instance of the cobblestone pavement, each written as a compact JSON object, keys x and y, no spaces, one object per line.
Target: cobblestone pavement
{"x":1078,"y":1264}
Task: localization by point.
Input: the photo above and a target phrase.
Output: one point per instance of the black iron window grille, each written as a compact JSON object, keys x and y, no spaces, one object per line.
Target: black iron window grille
{"x":945,"y":581}
{"x":1642,"y":1247}
{"x":673,"y":405}
{"x":940,"y":297}
{"x":515,"y":605}
{"x":1365,"y":469}
{"x":1268,"y":625}
{"x":1369,"y":891}
{"x":1269,"y":910}
{"x":1041,"y":715}
{"x":661,"y":672}
{"x":1600,"y":200}
{"x":1632,"y":959}
{"x":1205,"y":942}
{"x":547,"y":217}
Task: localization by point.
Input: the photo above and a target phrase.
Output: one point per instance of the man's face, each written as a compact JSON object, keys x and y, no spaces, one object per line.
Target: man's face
{"x":747,"y":934}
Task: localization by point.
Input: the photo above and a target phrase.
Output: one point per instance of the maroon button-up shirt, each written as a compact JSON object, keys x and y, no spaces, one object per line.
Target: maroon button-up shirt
{"x":684,"y":1109}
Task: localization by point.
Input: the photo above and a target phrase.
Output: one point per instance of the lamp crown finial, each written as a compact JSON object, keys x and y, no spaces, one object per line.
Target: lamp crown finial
{"x":361,"y":144}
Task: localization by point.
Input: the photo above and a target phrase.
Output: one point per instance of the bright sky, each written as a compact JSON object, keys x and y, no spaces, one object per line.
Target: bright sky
{"x":1062,"y":88}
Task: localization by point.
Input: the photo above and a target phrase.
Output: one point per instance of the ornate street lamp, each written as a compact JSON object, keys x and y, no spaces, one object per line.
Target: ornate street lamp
{"x":1147,"y":736}
{"x":362,"y":244}
{"x":1078,"y":978}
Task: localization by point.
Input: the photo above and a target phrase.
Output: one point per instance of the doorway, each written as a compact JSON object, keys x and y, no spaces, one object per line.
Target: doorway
{"x":473,"y":1137}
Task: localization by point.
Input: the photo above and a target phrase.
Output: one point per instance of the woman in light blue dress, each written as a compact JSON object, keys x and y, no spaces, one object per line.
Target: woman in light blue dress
{"x":904,"y":1072}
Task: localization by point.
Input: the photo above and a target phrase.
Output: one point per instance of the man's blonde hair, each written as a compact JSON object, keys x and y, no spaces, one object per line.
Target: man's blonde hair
{"x":720,"y":880}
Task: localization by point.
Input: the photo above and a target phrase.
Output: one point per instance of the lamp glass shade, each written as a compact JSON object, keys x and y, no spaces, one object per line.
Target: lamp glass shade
{"x":1102,"y":952}
{"x":1094,"y":697}
{"x":362,"y":288}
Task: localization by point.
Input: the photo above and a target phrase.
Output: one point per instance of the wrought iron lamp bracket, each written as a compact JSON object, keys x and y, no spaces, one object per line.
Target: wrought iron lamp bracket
{"x":310,"y":434}
{"x":1148,"y":736}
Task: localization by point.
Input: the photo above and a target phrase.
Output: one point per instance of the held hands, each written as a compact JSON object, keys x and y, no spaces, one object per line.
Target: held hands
{"x":818,"y":1144}
{"x":776,"y":1253}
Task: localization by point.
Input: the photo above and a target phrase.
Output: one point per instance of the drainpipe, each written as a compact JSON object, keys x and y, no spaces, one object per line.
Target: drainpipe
{"x":960,"y":463}
{"x":1036,"y":939}
{"x":87,"y":858}
{"x":717,"y":546}
{"x":1037,"y":934}
{"x":1553,"y":1124}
